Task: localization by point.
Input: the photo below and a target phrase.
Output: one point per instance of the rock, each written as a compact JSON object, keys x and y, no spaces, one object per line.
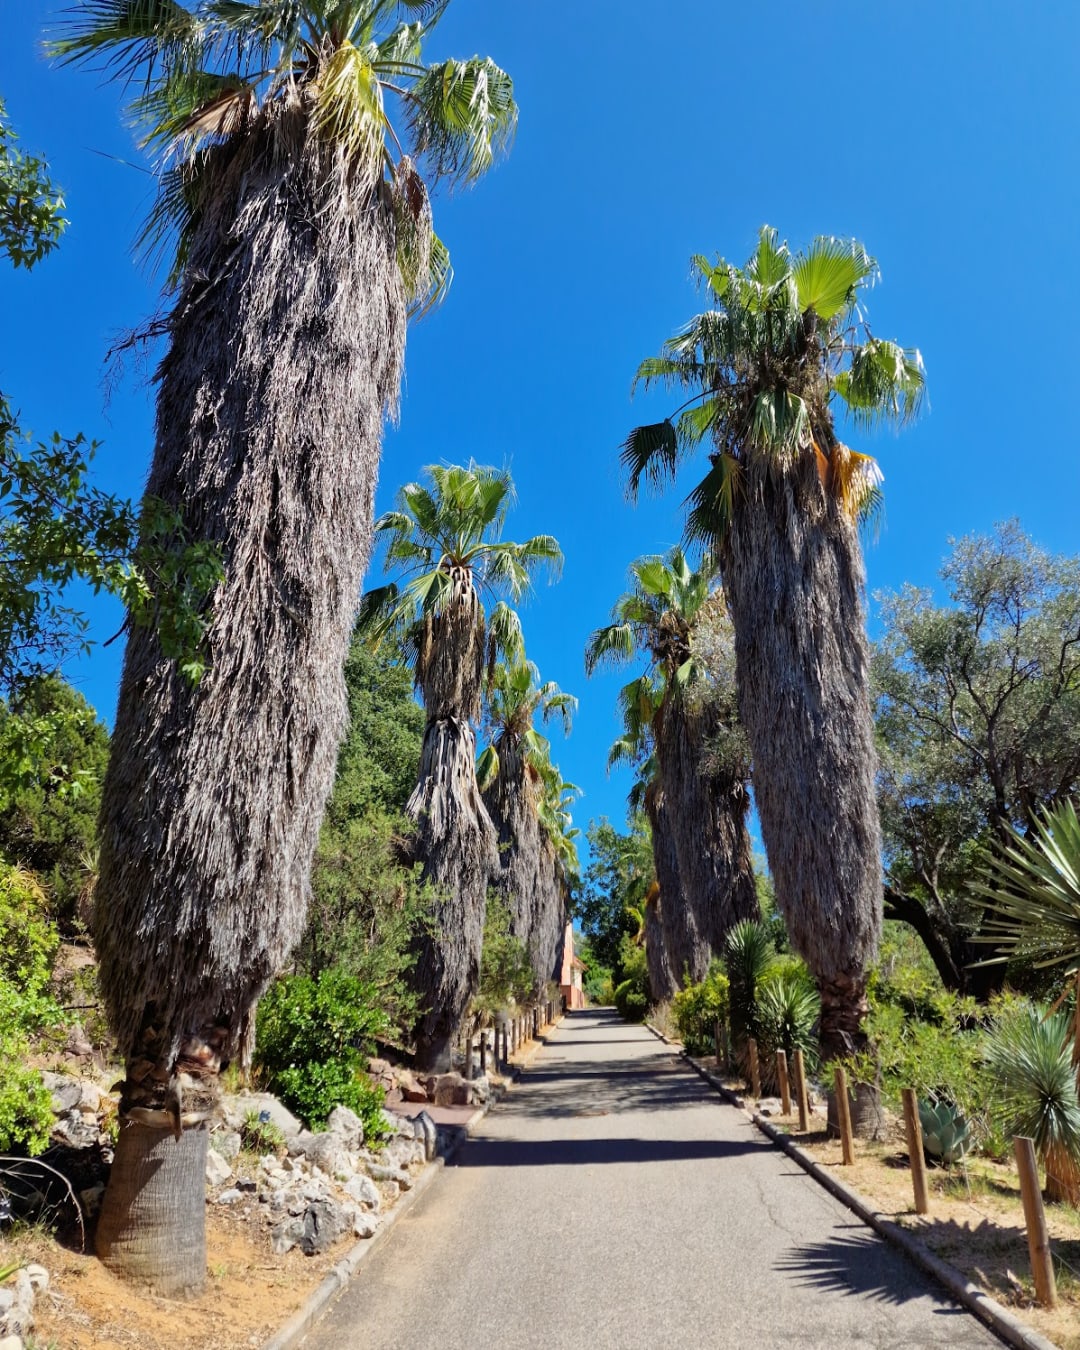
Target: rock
{"x":229,"y":1197}
{"x":410,"y":1089}
{"x":236,"y":1108}
{"x":364,"y":1191}
{"x":382,"y":1172}
{"x":38,"y":1277}
{"x":66,"y":1091}
{"x":480,"y":1090}
{"x":348,"y":1127}
{"x":364,"y":1225}
{"x":398,"y":1125}
{"x":325,"y":1151}
{"x":247,"y":1186}
{"x":11,"y":1343}
{"x":391,"y":1190}
{"x":427,"y":1133}
{"x":382,"y":1072}
{"x":227,"y":1143}
{"x":324,"y":1222}
{"x":74,"y":1131}
{"x":217,"y":1169}
{"x":89,"y":1097}
{"x":404,"y":1152}
{"x":452,"y":1090}
{"x":286,"y":1235}
{"x":7,"y":1300}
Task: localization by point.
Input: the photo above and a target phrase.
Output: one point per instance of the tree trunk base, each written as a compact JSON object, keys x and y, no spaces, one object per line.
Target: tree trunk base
{"x":867,"y":1113}
{"x":434,"y":1054}
{"x":152,"y":1227}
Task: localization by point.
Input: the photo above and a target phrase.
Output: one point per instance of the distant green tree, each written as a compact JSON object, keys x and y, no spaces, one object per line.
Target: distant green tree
{"x":978,"y":726}
{"x":48,"y":820}
{"x":611,"y":900}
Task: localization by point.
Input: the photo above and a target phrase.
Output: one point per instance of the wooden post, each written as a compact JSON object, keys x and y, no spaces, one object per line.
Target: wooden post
{"x":468,"y":1058}
{"x":917,"y":1158}
{"x":755,"y":1070}
{"x":483,"y":1053}
{"x":785,"y":1086}
{"x":725,"y":1045}
{"x":843,"y":1114}
{"x":1042,"y":1262}
{"x":716,"y":1042}
{"x":800,"y":1093}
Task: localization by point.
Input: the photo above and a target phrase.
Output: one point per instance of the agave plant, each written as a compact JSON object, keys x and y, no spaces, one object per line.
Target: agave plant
{"x":1029,"y":1053}
{"x":748,"y":951}
{"x":946,"y":1131}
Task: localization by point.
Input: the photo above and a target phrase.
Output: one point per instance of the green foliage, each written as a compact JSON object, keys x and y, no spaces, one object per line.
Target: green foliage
{"x":1029,"y":1060}
{"x":261,"y":1136}
{"x":31,"y":207}
{"x":748,"y":952}
{"x":978,"y":721}
{"x":28,"y":943}
{"x":597,"y":983}
{"x":786,"y":1011}
{"x":697,"y":1009}
{"x":56,"y":751}
{"x":615,"y":881}
{"x":631,"y":995}
{"x":506,"y":974}
{"x":312,"y":1036}
{"x":366,"y":904}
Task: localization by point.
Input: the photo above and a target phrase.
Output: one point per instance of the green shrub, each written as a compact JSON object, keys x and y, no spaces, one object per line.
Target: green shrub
{"x":28,"y":943}
{"x":631,"y":1002}
{"x":261,"y":1136}
{"x":697,"y":1009}
{"x":506,"y":974}
{"x":748,"y":952}
{"x":312,"y":1037}
{"x":786,"y":1013}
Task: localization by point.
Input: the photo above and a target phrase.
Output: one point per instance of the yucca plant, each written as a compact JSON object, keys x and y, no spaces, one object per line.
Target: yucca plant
{"x":294,"y":144}
{"x":786,"y":1013}
{"x":1031,"y":889}
{"x":748,"y":951}
{"x":1029,"y":1053}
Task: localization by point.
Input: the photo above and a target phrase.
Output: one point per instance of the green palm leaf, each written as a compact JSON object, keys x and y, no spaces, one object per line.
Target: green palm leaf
{"x":828,"y":275}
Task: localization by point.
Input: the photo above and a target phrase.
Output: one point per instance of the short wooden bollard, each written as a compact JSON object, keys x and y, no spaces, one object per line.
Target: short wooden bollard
{"x":483,"y":1053}
{"x":843,"y":1115}
{"x":1042,"y":1261}
{"x":755,"y":1068}
{"x":913,"y":1126}
{"x":467,"y":1069}
{"x":717,"y":1042}
{"x":785,"y":1086}
{"x":800,"y":1093}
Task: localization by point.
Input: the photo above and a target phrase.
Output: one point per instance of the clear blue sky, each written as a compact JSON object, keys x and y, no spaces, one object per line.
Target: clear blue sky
{"x":943,"y":133}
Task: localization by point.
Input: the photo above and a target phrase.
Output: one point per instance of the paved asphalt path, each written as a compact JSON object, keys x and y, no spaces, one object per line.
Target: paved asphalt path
{"x":611,"y":1202}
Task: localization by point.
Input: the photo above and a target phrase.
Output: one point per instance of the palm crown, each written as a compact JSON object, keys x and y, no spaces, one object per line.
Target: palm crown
{"x":206,"y":70}
{"x":656,"y":617}
{"x":784,"y":340}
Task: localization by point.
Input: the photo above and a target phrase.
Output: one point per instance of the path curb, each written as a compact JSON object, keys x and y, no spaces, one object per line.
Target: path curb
{"x":991,"y":1313}
{"x":315,"y":1305}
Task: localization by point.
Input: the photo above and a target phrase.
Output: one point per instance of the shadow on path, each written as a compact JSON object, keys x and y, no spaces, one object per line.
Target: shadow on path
{"x":564,"y":1152}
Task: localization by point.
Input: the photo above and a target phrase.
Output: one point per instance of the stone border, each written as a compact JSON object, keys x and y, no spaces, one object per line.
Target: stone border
{"x":991,"y":1313}
{"x":317,"y":1303}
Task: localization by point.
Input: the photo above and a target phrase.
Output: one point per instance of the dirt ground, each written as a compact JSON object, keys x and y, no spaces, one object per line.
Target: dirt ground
{"x":976,"y":1220}
{"x":250,"y":1293}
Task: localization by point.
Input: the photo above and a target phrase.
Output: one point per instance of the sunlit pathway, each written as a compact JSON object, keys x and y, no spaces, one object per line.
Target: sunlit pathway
{"x":612,"y":1201}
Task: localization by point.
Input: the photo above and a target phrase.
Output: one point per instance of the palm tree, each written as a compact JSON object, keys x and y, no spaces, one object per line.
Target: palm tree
{"x":445,"y":543}
{"x":304,"y":234}
{"x":779,"y":505}
{"x":707,"y":798}
{"x":514,"y":772}
{"x":672,"y":939}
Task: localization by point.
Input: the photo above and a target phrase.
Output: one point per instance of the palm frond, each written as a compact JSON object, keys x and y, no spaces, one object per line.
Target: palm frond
{"x":614,"y":644}
{"x":650,"y":452}
{"x":461,"y":115}
{"x":884,"y":382}
{"x":349,"y":109}
{"x":828,"y":275}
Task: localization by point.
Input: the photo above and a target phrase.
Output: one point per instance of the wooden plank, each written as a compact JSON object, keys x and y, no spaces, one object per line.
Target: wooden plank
{"x":916,"y":1157}
{"x":755,"y":1068}
{"x":843,"y":1113}
{"x":1042,"y":1261}
{"x":800,"y":1093}
{"x":785,"y":1085}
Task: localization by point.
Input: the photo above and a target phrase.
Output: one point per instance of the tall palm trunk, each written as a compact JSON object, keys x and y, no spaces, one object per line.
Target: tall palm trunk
{"x":662,"y":982}
{"x":455,"y":837}
{"x":549,"y":923}
{"x":793,"y":576}
{"x":707,"y":813}
{"x":687,"y":948}
{"x":285,"y":351}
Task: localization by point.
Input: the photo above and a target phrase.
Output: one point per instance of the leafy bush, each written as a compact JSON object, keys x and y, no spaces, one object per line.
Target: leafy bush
{"x":748,"y":952}
{"x":506,"y":974}
{"x":697,"y":1009}
{"x":312,"y":1036}
{"x":28,"y":943}
{"x":631,"y":1002}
